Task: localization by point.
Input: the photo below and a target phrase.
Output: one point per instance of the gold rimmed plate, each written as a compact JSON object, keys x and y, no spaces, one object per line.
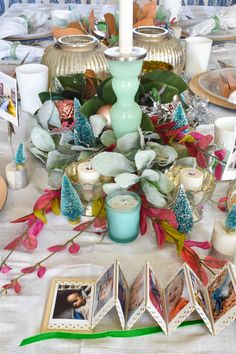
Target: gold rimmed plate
{"x":3,"y":192}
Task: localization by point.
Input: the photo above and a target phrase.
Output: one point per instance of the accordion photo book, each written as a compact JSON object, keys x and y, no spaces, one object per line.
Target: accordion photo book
{"x":80,"y":304}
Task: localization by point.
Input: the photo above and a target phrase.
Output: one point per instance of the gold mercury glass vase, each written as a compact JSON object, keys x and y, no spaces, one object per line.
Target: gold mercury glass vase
{"x":74,"y":54}
{"x":160,"y":46}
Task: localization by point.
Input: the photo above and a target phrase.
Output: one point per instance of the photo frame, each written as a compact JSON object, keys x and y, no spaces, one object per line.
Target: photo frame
{"x":8,"y":99}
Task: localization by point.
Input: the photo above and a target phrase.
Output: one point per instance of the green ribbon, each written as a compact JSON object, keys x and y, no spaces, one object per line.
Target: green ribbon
{"x":217,"y":23}
{"x":13,"y":50}
{"x":114,"y":334}
{"x":28,"y":22}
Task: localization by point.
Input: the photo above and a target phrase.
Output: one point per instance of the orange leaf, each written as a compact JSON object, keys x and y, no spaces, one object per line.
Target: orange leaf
{"x":145,"y":22}
{"x":90,"y":73}
{"x":111,"y":24}
{"x":91,"y":19}
{"x":149,"y":9}
{"x":136,"y":12}
{"x":60,"y":32}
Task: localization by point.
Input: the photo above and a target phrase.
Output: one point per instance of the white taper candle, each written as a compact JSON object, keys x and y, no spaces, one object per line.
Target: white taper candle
{"x":126,"y":26}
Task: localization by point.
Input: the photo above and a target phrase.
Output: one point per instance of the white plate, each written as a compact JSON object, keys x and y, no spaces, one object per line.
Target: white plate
{"x":41,"y":32}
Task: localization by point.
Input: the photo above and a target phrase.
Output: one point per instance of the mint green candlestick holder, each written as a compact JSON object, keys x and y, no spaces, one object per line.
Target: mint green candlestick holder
{"x":126,"y":114}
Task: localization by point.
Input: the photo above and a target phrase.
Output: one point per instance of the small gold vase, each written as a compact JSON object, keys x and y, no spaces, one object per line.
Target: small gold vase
{"x":160,"y":46}
{"x":74,"y":54}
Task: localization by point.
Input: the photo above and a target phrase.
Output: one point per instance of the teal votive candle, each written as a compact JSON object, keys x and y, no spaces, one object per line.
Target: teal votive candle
{"x":123,"y":214}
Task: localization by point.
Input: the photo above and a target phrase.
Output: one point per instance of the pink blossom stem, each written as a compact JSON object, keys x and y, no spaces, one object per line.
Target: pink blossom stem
{"x":13,"y":249}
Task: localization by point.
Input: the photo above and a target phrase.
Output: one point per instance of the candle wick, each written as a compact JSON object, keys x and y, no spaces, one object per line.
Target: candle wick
{"x":89,"y":166}
{"x":193,"y":172}
{"x":124,"y":201}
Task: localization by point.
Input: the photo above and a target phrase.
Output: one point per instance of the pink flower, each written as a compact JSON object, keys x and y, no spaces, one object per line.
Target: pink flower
{"x":5,"y":268}
{"x":41,"y":271}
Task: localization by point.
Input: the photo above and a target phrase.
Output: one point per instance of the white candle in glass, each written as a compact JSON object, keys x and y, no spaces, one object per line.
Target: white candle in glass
{"x":191,"y":178}
{"x":87,"y":174}
{"x":222,"y":241}
{"x":126,"y":26}
{"x":123,"y":202}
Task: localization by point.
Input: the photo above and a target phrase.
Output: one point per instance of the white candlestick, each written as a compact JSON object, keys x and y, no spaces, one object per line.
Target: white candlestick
{"x":222,"y":241}
{"x":191,"y":179}
{"x":87,"y":174}
{"x":123,"y":202}
{"x":126,"y":26}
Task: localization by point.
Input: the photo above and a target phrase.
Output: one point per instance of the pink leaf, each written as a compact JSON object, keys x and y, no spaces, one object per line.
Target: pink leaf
{"x":204,"y":245}
{"x":74,"y":248}
{"x":5,"y":268}
{"x":36,"y":228}
{"x":28,"y":270}
{"x":56,"y":248}
{"x":214,"y":262}
{"x":7,"y":286}
{"x":45,"y":200}
{"x":143,"y":221}
{"x":83,"y":226}
{"x":201,"y":160}
{"x":193,"y":260}
{"x":196,"y":135}
{"x":30,"y":243}
{"x":222,"y":204}
{"x":41,"y":271}
{"x":13,"y":244}
{"x":205,"y":141}
{"x":220,"y":154}
{"x":23,"y":218}
{"x":164,"y":215}
{"x":218,"y":172}
{"x":100,"y":223}
{"x":17,"y":287}
{"x":159,"y":234}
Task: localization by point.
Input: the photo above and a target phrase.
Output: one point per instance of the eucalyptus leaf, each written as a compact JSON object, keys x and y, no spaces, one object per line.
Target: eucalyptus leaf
{"x":42,"y":139}
{"x":57,"y":160}
{"x":186,"y":161}
{"x":84,"y":155}
{"x":98,"y":123}
{"x":164,"y":184}
{"x":42,"y":156}
{"x":153,"y":195}
{"x":150,"y":175}
{"x":128,"y":142}
{"x":109,"y":188}
{"x":165,"y":154}
{"x":111,"y":164}
{"x":84,"y":148}
{"x":55,"y":178}
{"x":126,"y":180}
{"x":144,"y":158}
{"x":108,"y":138}
{"x":66,"y":137}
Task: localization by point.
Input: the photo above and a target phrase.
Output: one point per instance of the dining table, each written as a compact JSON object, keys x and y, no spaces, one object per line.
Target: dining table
{"x":21,"y":314}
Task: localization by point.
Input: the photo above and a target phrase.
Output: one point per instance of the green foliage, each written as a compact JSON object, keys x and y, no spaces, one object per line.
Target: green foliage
{"x":71,"y":205}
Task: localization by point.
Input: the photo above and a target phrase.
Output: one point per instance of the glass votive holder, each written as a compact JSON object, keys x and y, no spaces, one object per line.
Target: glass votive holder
{"x":89,"y":194}
{"x":123,"y":214}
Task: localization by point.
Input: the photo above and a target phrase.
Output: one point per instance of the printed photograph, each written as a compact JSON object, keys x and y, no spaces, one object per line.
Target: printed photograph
{"x":155,"y":293}
{"x":136,"y":293}
{"x":222,"y":295}
{"x":104,"y":289}
{"x":122,"y":291}
{"x":72,"y":302}
{"x":199,"y":292}
{"x":177,"y":296}
{"x":8,"y":98}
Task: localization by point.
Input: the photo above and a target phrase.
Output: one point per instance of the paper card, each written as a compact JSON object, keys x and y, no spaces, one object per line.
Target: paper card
{"x":104,"y":298}
{"x":70,"y":305}
{"x":155,"y":300}
{"x":222,"y":295}
{"x":229,"y":172}
{"x":8,"y":99}
{"x":122,"y":296}
{"x":137,"y":298}
{"x":178,"y":299}
{"x":200,"y":299}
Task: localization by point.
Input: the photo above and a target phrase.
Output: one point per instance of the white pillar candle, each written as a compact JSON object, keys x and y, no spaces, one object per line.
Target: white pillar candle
{"x":222,"y":241}
{"x":123,"y":202}
{"x":87,"y":174}
{"x":224,"y":131}
{"x":126,"y":26}
{"x":191,"y":179}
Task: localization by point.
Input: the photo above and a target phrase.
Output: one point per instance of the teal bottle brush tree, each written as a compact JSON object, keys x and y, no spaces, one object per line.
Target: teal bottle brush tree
{"x":16,"y":172}
{"x":71,"y":206}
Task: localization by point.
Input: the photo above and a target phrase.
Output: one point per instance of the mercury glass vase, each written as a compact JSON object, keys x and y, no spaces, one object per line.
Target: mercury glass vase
{"x":74,"y":54}
{"x":160,"y":46}
{"x":126,"y":115}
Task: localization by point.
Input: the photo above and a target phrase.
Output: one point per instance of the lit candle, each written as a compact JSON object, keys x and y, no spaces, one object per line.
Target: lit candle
{"x":222,"y":241}
{"x":87,"y":174}
{"x":126,"y":26}
{"x":123,"y":213}
{"x":191,"y":178}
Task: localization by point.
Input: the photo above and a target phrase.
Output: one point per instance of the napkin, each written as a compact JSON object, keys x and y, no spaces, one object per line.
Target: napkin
{"x":225,"y":19}
{"x":15,"y":50}
{"x":21,"y":24}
